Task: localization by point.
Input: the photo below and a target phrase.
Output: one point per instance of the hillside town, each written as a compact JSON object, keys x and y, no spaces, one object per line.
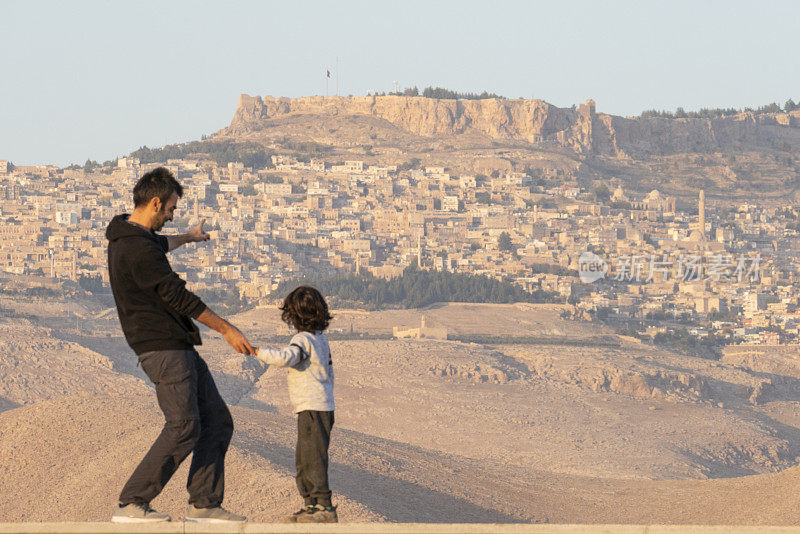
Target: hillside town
{"x":638,"y":261}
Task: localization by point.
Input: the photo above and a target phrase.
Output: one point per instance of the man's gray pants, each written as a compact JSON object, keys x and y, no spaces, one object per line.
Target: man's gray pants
{"x":196,"y":420}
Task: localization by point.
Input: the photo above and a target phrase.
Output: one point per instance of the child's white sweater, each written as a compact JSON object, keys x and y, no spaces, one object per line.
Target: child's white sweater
{"x":310,"y":379}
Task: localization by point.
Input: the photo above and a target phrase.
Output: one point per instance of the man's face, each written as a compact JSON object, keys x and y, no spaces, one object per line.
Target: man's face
{"x":166,"y":213}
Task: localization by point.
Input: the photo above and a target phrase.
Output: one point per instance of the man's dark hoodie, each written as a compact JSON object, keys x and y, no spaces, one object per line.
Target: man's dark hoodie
{"x":153,"y":303}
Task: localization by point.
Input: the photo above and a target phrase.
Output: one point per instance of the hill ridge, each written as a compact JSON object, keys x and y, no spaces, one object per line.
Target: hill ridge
{"x":531,"y":121}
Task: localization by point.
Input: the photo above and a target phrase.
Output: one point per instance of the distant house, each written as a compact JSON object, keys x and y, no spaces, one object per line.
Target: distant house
{"x":423,"y":332}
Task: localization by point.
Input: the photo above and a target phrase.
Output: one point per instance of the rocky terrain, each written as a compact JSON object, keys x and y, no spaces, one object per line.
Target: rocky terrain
{"x":426,"y":430}
{"x":735,"y":158}
{"x":535,"y":121}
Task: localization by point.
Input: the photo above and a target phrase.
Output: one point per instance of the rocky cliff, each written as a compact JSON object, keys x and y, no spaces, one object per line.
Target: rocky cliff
{"x":537,"y":122}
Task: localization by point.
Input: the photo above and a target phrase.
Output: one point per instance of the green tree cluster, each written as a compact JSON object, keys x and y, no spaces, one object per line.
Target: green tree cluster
{"x":601,"y":193}
{"x":682,"y":340}
{"x":440,"y":93}
{"x":90,"y":165}
{"x":446,"y":94}
{"x":417,"y":288}
{"x":504,"y":242}
{"x":715,"y":113}
{"x":408,"y":91}
{"x":229,"y":301}
{"x":222,"y":152}
{"x":620,"y":205}
{"x":248,"y":190}
{"x":413,"y":163}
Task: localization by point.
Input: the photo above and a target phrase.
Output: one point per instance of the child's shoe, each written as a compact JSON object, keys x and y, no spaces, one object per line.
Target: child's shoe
{"x":319,"y":514}
{"x":302,"y":511}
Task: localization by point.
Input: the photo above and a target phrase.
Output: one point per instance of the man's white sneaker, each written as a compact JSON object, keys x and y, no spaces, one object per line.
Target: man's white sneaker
{"x":217,"y":514}
{"x":138,"y":513}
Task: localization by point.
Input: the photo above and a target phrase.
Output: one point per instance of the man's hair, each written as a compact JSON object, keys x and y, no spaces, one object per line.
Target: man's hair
{"x":157,"y":183}
{"x":306,"y":310}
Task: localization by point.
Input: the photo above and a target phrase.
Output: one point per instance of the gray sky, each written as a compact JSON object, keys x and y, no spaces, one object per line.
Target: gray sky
{"x":99,"y":79}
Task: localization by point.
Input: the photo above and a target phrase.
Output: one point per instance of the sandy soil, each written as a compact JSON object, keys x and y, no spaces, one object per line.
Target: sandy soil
{"x":426,"y":430}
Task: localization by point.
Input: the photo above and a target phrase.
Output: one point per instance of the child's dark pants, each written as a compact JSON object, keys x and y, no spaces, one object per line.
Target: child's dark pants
{"x":311,"y":456}
{"x":196,"y":420}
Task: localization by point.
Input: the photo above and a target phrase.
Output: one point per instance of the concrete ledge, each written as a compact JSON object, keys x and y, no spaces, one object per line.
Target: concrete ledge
{"x":178,"y":527}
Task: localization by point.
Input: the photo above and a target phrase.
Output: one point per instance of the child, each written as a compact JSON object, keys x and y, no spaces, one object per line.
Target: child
{"x":310,"y":380}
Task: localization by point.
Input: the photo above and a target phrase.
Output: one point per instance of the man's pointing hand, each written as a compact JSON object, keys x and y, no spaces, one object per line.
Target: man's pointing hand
{"x":197,"y":234}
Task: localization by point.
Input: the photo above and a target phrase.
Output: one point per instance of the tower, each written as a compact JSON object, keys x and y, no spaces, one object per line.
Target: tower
{"x":419,"y":251}
{"x":701,"y":209}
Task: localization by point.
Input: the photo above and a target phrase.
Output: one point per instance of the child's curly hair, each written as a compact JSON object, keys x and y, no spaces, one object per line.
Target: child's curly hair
{"x":306,"y":310}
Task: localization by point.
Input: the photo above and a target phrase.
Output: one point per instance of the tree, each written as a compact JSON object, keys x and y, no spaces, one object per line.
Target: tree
{"x":601,"y":193}
{"x":233,"y":301}
{"x":442,"y":93}
{"x":789,"y":106}
{"x":504,"y":242}
{"x":408,"y":91}
{"x":413,"y":163}
{"x":770,"y":108}
{"x":91,"y":284}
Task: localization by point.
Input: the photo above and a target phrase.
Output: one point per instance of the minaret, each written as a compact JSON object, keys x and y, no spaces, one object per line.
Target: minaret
{"x":702,"y":213}
{"x":419,"y":251}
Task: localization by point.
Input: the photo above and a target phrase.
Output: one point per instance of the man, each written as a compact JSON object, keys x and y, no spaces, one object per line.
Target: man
{"x":156,"y":311}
